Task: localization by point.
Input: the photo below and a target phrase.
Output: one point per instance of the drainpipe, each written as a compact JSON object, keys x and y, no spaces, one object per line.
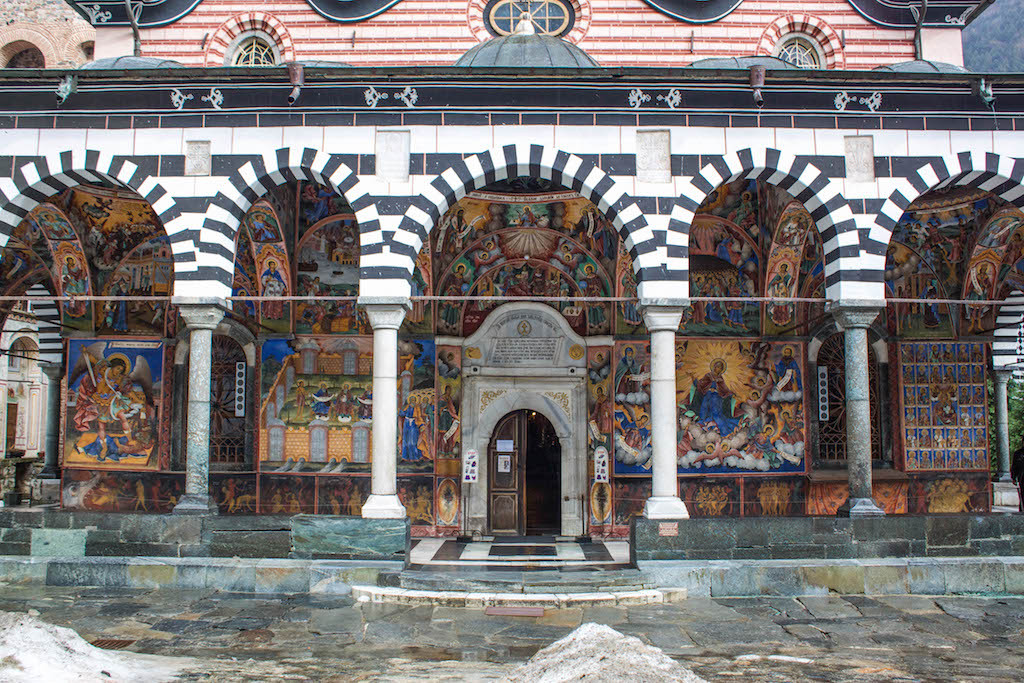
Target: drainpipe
{"x":918,"y":52}
{"x":137,"y":39}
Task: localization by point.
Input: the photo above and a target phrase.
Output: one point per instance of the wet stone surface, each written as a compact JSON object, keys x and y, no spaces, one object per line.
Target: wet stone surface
{"x":241,"y":637}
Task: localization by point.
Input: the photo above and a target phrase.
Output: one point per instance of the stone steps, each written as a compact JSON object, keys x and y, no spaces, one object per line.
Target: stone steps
{"x":481,"y":599}
{"x":519,"y":582}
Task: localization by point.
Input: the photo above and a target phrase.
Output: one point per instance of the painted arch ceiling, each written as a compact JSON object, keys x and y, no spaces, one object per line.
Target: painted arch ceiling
{"x":893,"y":13}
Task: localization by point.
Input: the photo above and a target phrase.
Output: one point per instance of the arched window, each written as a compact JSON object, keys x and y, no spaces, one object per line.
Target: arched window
{"x":800,"y":50}
{"x":350,"y":362}
{"x":254,"y":50}
{"x":549,"y":17}
{"x":227,"y":400}
{"x":28,"y":58}
{"x":831,"y":390}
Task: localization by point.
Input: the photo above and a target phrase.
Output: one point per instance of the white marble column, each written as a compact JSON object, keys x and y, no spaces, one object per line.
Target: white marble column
{"x":385,"y":319}
{"x":200,"y":319}
{"x":664,"y":503}
{"x":54,"y":375}
{"x":1000,"y":377}
{"x":854,"y":320}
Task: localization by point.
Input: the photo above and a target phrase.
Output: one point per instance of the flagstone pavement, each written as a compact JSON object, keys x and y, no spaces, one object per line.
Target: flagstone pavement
{"x":236,"y":637}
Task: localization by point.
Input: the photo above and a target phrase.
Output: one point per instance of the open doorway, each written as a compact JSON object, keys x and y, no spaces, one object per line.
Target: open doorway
{"x":525,"y":475}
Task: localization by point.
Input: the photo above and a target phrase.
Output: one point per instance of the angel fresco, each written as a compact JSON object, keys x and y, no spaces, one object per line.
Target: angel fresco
{"x":113,"y":399}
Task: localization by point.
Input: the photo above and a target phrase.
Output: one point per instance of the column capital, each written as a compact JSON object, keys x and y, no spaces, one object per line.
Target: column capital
{"x":659,"y":317}
{"x":857,"y":313}
{"x":53,"y":371}
{"x":201,"y":316}
{"x":1002,"y":375}
{"x":385,"y":314}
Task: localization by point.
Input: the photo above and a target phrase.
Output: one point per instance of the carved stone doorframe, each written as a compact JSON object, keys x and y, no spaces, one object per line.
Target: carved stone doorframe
{"x":563,"y":401}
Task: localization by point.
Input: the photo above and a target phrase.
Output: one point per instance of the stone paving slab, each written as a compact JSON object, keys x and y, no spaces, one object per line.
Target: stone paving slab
{"x":246,"y":637}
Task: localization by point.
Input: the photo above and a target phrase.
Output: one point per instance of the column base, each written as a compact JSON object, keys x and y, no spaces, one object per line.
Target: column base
{"x":860,"y":507}
{"x":49,"y":472}
{"x":1005,"y":494}
{"x":665,"y":507}
{"x":1004,"y":476}
{"x":380,"y":506}
{"x":195,"y":504}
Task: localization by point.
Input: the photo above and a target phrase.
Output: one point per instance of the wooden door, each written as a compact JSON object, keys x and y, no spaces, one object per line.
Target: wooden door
{"x":506,"y":457}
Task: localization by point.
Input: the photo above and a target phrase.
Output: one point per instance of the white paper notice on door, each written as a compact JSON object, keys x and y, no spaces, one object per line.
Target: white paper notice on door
{"x":504,"y":463}
{"x":506,"y":445}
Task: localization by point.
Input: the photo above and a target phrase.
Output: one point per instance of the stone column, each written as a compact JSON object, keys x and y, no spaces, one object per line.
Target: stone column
{"x":1000,"y":377}
{"x":664,"y":503}
{"x":200,"y":319}
{"x":854,"y":320}
{"x":54,"y":374}
{"x":385,"y":319}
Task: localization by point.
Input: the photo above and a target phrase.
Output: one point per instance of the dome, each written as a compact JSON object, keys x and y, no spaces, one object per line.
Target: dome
{"x":526,"y":51}
{"x":923,"y":66}
{"x":126,"y":63}
{"x":769,"y":63}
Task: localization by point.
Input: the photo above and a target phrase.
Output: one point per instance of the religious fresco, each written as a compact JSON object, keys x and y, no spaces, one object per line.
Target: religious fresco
{"x":724,"y":262}
{"x":449,"y":402}
{"x":926,"y":260}
{"x":121,"y":491}
{"x":342,"y":495}
{"x":628,"y":321}
{"x":947,"y":494}
{"x":944,"y":405}
{"x":785,"y":267}
{"x":825,"y":498}
{"x":417,"y":495}
{"x":416,"y":406}
{"x":447,"y":502}
{"x":114,"y":400}
{"x":328,"y":265}
{"x":629,"y":495}
{"x":316,"y":405}
{"x":147,"y":271}
{"x":773,"y":497}
{"x":600,"y":397}
{"x":709,"y":497}
{"x":287,"y":495}
{"x":741,"y":406}
{"x":994,"y":269}
{"x":235,"y":493}
{"x":632,"y":417}
{"x":600,"y":504}
{"x":554,"y":244}
{"x":244,"y":284}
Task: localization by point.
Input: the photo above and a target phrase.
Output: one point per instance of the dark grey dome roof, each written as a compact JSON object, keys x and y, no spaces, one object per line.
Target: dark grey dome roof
{"x":527,"y":51}
{"x":769,"y":63}
{"x":923,"y":66}
{"x":322,"y":63}
{"x":125,"y":63}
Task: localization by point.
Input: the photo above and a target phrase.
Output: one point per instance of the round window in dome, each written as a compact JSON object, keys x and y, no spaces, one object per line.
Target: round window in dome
{"x":548,"y":17}
{"x":254,"y":51}
{"x":800,"y":51}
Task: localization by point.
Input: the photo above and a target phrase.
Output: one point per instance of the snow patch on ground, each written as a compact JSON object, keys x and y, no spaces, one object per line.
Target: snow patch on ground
{"x":32,"y":650}
{"x":597,"y":653}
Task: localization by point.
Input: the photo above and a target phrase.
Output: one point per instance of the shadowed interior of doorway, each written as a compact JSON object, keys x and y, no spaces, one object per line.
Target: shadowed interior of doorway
{"x":525,"y":470}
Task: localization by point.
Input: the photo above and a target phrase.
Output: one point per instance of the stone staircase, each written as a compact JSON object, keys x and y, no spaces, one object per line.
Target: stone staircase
{"x":561,"y":588}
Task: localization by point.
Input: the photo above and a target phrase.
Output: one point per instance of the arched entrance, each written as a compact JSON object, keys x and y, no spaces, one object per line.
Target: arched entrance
{"x":524,"y":458}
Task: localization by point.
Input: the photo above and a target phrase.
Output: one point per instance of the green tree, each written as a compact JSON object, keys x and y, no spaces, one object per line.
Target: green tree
{"x":1015,"y":401}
